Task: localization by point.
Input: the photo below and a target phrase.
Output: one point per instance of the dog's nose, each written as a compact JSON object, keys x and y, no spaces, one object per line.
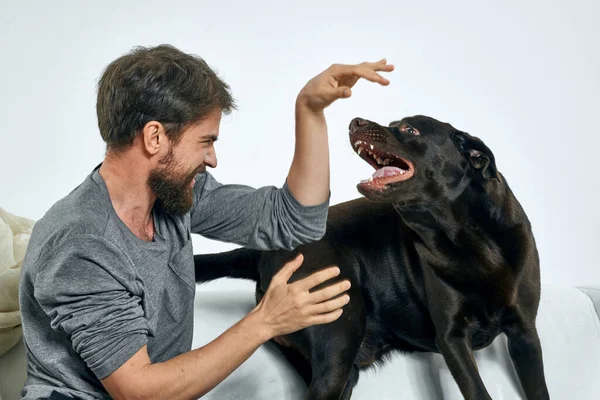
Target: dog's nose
{"x":356,"y":123}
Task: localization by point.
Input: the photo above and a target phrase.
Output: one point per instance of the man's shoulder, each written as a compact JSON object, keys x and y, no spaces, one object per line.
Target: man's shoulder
{"x":84,"y":211}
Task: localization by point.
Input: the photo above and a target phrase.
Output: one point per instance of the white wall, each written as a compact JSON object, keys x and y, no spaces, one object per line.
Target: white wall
{"x":523,"y":76}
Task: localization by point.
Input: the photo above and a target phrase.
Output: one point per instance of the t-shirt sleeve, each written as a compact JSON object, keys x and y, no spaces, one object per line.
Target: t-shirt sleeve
{"x":267,"y":218}
{"x":87,"y":288}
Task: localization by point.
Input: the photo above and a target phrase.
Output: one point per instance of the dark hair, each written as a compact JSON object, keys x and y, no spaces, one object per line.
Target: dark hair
{"x":158,"y":83}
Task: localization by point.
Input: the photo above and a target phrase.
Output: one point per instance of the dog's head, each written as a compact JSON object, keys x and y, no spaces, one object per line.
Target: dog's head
{"x":419,"y":160}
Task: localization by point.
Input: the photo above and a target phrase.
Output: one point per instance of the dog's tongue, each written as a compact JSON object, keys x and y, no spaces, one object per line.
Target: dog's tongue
{"x":386,"y":172}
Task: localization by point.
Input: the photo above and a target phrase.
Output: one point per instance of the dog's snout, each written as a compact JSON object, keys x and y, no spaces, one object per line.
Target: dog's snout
{"x":356,"y":123}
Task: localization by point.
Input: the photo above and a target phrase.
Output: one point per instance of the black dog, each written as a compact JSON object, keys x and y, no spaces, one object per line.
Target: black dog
{"x":441,"y":258}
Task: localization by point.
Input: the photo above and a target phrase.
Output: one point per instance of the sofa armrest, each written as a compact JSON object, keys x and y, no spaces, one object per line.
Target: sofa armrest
{"x":593,"y":292}
{"x":13,"y":372}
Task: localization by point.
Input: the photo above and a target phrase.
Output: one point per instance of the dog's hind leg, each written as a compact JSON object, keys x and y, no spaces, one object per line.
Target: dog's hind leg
{"x":332,"y":356}
{"x":331,"y":378}
{"x":301,"y":365}
{"x":352,"y":381}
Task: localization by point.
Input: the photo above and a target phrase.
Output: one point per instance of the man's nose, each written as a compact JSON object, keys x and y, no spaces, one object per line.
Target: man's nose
{"x":211,"y":159}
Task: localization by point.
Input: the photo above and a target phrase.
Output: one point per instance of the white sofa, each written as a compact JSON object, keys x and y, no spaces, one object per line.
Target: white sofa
{"x":568,"y":324}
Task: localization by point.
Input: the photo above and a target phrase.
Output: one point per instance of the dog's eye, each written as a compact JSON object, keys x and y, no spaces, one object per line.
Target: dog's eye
{"x":409,"y":129}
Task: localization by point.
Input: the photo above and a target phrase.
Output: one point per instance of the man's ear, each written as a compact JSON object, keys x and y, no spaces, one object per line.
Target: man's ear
{"x":480,"y":157}
{"x":153,"y":136}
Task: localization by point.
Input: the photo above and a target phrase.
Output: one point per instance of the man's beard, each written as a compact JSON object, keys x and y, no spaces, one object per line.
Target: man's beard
{"x":172,"y":189}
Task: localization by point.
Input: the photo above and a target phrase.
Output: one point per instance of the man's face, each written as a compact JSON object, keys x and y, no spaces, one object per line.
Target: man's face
{"x":172,"y":180}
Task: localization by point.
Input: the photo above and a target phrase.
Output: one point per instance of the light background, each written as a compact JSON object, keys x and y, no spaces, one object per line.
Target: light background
{"x":523,"y":76}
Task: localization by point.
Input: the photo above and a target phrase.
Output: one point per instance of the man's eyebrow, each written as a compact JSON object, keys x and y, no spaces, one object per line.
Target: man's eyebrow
{"x":212,"y":137}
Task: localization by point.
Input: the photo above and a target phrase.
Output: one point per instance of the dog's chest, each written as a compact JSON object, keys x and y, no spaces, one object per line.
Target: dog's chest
{"x":484,"y":328}
{"x":402,"y":322}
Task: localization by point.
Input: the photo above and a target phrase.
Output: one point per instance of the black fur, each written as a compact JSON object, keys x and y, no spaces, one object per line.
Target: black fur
{"x":443,"y":261}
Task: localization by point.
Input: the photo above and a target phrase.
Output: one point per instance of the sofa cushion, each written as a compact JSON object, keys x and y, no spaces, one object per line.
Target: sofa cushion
{"x":567,"y":324}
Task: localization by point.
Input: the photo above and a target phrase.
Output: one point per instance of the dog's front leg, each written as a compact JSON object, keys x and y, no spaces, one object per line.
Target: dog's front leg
{"x":526,"y":354}
{"x":458,"y":355}
{"x":453,"y":342}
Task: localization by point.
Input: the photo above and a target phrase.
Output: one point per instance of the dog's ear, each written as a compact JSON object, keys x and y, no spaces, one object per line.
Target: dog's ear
{"x":479,"y":156}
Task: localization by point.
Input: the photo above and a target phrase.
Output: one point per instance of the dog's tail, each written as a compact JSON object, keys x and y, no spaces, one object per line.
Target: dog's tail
{"x":240,"y":263}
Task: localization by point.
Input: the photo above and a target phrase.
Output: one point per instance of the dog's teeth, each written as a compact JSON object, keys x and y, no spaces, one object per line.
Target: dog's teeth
{"x":386,"y":161}
{"x":371,"y":147}
{"x":378,"y":160}
{"x":370,"y":179}
{"x":357,"y":143}
{"x":359,"y":150}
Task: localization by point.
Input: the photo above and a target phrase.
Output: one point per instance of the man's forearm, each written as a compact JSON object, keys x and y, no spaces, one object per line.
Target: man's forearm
{"x":193,"y":374}
{"x":308,"y":178}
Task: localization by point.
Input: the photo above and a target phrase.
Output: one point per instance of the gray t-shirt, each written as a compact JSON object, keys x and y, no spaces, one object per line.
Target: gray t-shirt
{"x":92,"y":293}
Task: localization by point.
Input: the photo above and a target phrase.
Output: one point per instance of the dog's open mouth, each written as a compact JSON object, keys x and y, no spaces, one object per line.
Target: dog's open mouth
{"x":388,"y":167}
